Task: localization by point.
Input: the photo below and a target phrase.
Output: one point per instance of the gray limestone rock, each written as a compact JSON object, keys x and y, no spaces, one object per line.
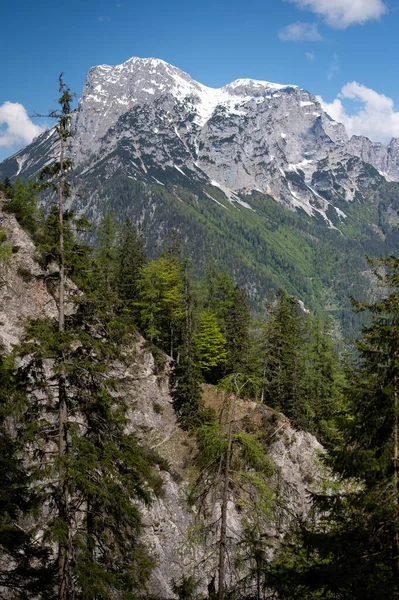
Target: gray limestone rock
{"x":146,"y":116}
{"x":171,"y":526}
{"x":384,"y":158}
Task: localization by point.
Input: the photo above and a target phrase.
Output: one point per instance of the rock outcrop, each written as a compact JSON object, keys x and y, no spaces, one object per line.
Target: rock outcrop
{"x":23,"y":292}
{"x":170,"y":522}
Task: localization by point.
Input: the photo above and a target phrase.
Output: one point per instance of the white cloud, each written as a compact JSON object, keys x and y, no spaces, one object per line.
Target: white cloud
{"x":300,"y":32}
{"x":342,"y":13}
{"x":19,"y":129}
{"x":310,"y":56}
{"x":375,"y":118}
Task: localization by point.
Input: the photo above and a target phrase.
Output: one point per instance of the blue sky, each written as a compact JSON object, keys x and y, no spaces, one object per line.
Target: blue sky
{"x":324,"y":46}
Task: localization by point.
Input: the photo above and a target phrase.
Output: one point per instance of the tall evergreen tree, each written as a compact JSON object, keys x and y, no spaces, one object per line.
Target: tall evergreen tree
{"x":323,"y":384}
{"x":130,"y":261}
{"x":284,"y":358}
{"x":106,"y":251}
{"x":23,"y":570}
{"x":105,"y":467}
{"x":186,"y":376}
{"x":86,"y":466}
{"x":352,"y":550}
{"x":23,"y":204}
{"x":238,"y":320}
{"x":56,"y":175}
{"x":219,"y":294}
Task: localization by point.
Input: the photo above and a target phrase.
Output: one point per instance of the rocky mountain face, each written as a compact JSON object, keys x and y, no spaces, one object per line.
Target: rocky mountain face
{"x":170,"y":522}
{"x":384,"y":158}
{"x":254,"y":176}
{"x":249,"y":135}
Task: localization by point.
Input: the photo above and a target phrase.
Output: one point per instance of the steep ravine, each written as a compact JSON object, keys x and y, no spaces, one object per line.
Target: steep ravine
{"x":170,"y":523}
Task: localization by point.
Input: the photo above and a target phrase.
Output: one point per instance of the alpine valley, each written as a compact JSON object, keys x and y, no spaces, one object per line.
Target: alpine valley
{"x":254,"y":176}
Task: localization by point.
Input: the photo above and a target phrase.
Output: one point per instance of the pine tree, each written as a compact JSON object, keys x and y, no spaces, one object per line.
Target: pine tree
{"x":352,"y":550}
{"x":23,"y":563}
{"x":375,"y":430}
{"x":323,"y":384}
{"x":23,"y":204}
{"x":283,"y":369}
{"x":86,"y":466}
{"x":104,"y":467}
{"x":106,"y":251}
{"x":6,"y":187}
{"x":185,"y":381}
{"x":237,"y":333}
{"x":130,"y":261}
{"x":186,"y":391}
{"x":219,"y":294}
{"x":56,"y":176}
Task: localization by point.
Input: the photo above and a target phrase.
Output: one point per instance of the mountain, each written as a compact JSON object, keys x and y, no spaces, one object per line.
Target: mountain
{"x":254,"y":175}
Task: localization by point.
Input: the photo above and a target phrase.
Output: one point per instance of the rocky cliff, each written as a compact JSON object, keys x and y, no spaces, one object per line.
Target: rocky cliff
{"x":23,"y":293}
{"x":170,"y":523}
{"x":384,"y":158}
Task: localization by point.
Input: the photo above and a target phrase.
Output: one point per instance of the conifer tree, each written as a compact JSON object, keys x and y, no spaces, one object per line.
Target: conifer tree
{"x":237,"y":333}
{"x":220,"y":294}
{"x":284,"y":359}
{"x":106,"y":252}
{"x":352,"y":549}
{"x":130,"y":261}
{"x":23,"y":204}
{"x":161,"y":302}
{"x":323,"y":384}
{"x":210,"y":343}
{"x":86,"y":467}
{"x":56,"y":176}
{"x":105,"y":467}
{"x":186,"y":376}
{"x":231,"y":461}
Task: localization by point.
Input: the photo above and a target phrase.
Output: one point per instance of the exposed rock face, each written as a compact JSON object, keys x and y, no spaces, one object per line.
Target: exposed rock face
{"x":383,"y":158}
{"x":23,"y":293}
{"x":171,"y":527}
{"x":170,"y":521}
{"x":151,"y":120}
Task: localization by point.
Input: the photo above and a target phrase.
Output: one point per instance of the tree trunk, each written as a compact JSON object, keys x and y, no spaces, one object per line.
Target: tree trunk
{"x":225,"y":497}
{"x":396,"y":443}
{"x":395,"y":489}
{"x":63,"y":551}
{"x":262,"y":393}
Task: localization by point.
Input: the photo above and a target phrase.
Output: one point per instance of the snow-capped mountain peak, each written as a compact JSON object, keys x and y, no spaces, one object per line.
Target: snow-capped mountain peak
{"x":112,"y":90}
{"x":247,"y":135}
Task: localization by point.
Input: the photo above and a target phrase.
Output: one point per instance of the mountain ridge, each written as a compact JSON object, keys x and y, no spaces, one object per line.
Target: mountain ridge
{"x":257,"y":178}
{"x":112,"y":91}
{"x":283,"y":164}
